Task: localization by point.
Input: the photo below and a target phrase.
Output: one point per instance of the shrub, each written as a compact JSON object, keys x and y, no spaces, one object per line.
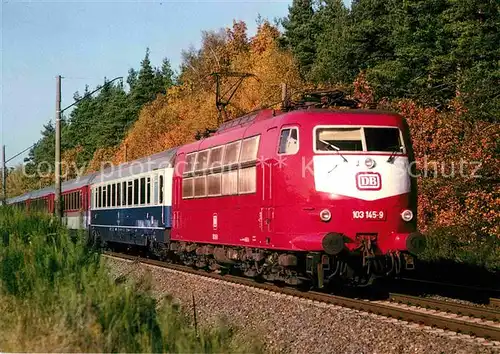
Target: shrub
{"x":56,"y":295}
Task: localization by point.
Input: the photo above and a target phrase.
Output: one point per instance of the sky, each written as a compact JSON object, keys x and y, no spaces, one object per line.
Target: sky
{"x":85,"y":41}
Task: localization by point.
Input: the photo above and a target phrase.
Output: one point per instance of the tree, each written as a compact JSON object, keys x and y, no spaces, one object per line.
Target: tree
{"x":332,"y":63}
{"x":300,"y":34}
{"x":132,"y":78}
{"x":167,"y":74}
{"x":472,"y":28}
{"x":41,"y":157}
{"x":144,"y":89}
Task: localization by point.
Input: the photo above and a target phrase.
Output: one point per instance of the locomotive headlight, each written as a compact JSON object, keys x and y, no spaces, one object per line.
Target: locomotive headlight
{"x":370,"y":163}
{"x":407,"y":215}
{"x":325,"y":215}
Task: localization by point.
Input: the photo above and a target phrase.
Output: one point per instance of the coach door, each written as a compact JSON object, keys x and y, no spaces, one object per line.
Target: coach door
{"x":268,"y":161}
{"x":177,"y":195}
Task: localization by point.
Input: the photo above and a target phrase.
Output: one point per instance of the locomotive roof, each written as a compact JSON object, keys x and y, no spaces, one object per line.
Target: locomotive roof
{"x":239,"y":127}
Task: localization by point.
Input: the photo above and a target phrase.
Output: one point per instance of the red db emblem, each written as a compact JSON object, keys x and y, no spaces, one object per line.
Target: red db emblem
{"x":368,"y":181}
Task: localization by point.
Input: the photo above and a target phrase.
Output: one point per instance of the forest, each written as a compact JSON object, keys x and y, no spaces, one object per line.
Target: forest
{"x":436,"y":62}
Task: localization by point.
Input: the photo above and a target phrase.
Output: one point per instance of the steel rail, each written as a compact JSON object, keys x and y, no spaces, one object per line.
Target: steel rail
{"x":448,"y":306}
{"x":451,"y":285}
{"x":379,"y":308}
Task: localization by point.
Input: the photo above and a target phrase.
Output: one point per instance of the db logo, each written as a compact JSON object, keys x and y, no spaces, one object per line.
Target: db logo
{"x":368,"y":181}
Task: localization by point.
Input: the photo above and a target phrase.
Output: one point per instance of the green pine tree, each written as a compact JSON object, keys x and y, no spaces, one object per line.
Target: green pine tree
{"x":300,"y":33}
{"x":332,"y":63}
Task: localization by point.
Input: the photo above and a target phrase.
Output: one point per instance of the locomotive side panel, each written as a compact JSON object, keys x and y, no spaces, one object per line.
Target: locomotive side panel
{"x":226,"y":188}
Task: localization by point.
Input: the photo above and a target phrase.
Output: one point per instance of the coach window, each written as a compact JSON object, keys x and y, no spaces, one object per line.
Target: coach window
{"x":200,"y":187}
{"x":190,"y":160}
{"x":161,"y":189}
{"x":143,"y":191}
{"x":124,"y":193}
{"x":187,"y":188}
{"x":232,"y":153}
{"x":249,"y":149}
{"x":230,"y":182}
{"x":130,"y":193}
{"x":201,"y":160}
{"x":214,"y":187}
{"x":113,"y":195}
{"x":99,"y":197}
{"x":136,"y":192}
{"x":289,"y":141}
{"x":118,"y":194}
{"x":104,"y":194}
{"x":215,"y":159}
{"x":109,"y":195}
{"x":148,"y":190}
{"x":155,"y":190}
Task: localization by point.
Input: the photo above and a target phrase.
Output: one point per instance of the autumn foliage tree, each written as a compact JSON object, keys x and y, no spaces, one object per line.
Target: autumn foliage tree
{"x":189,"y":107}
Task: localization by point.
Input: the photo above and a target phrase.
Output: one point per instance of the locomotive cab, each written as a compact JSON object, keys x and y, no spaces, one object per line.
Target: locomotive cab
{"x":362,"y":207}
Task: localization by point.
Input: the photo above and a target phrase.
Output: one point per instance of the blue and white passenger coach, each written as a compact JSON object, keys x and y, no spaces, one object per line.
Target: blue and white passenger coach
{"x":132,"y":203}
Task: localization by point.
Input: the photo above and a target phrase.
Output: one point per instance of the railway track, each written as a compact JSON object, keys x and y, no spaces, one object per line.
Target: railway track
{"x":494,"y":302}
{"x":466,"y":292}
{"x":472,"y":320}
{"x":487,"y":313}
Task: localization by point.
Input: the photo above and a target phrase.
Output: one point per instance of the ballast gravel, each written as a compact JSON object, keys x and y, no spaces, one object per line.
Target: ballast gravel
{"x":286,"y":324}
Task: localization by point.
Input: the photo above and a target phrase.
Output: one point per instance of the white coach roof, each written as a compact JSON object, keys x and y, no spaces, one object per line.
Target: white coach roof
{"x":162,"y":159}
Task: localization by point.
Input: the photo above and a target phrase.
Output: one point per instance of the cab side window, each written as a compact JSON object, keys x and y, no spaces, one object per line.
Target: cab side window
{"x":289,"y":141}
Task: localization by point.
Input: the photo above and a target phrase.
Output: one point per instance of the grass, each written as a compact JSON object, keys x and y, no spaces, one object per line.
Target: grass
{"x":56,"y":296}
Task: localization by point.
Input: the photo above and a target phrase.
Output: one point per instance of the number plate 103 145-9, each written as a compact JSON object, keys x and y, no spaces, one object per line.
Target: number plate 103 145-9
{"x":368,"y":215}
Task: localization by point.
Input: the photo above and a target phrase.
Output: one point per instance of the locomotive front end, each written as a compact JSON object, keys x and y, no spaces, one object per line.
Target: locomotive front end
{"x":367,"y":194}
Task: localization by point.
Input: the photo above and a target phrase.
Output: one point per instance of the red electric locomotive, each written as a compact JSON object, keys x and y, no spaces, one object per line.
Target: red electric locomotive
{"x":307,"y":194}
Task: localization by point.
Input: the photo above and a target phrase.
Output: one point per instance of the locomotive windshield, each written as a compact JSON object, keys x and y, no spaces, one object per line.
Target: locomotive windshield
{"x":382,"y":139}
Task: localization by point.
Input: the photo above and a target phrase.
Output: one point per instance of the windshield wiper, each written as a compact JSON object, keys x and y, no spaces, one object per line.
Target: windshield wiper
{"x":393,"y":154}
{"x":335,"y":148}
